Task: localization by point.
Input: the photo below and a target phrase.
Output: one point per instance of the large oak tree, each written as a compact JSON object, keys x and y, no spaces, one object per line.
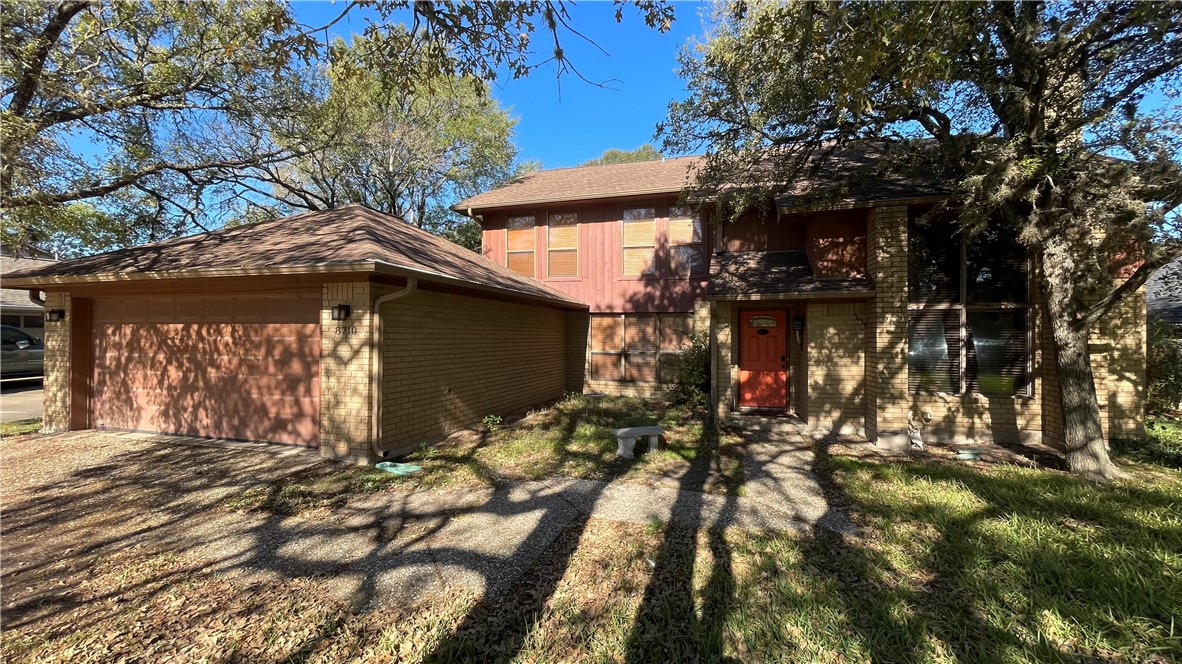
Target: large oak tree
{"x":1046,"y":118}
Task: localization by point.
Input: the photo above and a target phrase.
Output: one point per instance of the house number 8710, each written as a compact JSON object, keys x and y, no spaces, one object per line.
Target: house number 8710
{"x":343,"y":331}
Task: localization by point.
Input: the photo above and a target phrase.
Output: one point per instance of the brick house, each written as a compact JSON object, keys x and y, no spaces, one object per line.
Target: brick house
{"x":352,"y":332}
{"x":850,"y":318}
{"x":267,"y":332}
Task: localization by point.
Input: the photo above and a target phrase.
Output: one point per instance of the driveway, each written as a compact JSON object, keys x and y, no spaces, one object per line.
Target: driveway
{"x":21,"y":399}
{"x":70,"y":500}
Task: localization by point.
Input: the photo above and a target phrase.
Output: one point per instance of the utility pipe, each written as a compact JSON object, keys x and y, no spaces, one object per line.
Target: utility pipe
{"x":37,"y":298}
{"x":376,"y":363}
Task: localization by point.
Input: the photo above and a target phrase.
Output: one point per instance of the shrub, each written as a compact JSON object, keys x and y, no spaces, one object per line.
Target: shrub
{"x":691,"y":379}
{"x":1164,"y":367}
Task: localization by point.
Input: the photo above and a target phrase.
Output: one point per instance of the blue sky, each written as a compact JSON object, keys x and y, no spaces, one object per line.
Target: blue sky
{"x":565,"y":122}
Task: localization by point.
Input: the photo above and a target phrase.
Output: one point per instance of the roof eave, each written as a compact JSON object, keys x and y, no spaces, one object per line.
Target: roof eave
{"x":471,"y":210}
{"x":392,"y":269}
{"x":793,"y":295}
{"x":355,"y":267}
{"x":34,"y":283}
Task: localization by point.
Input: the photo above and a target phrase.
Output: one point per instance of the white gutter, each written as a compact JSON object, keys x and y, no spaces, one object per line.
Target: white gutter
{"x":376,"y":363}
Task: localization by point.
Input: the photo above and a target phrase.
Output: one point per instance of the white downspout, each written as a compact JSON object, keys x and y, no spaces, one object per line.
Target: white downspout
{"x":376,"y":364}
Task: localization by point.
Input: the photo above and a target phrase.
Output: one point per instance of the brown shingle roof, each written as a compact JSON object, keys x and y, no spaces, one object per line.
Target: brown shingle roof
{"x":11,"y":297}
{"x":349,"y":235}
{"x":667,"y":176}
{"x":739,"y":274}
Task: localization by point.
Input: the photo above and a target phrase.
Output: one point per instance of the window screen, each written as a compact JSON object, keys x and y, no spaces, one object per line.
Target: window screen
{"x":519,"y":245}
{"x":640,"y":237}
{"x":562,"y":237}
{"x":685,"y":241}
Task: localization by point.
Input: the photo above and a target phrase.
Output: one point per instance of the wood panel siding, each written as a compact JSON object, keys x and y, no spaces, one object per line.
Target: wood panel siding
{"x":836,"y":245}
{"x":602,"y":280}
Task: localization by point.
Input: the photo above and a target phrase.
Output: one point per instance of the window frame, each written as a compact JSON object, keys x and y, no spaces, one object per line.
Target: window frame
{"x":700,"y":228}
{"x":575,"y":250}
{"x":658,"y":355}
{"x":654,"y":269}
{"x":533,"y":250}
{"x":962,"y":306}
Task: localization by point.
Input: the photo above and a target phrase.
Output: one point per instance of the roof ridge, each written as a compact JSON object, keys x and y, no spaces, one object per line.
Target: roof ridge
{"x":622,"y":163}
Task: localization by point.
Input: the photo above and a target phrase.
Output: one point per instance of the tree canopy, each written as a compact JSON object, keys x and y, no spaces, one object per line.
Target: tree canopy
{"x":151,"y":116}
{"x":1044,"y":117}
{"x":410,"y":155}
{"x":646,"y":152}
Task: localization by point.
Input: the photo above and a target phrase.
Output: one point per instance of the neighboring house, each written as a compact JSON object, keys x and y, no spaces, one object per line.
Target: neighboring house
{"x":854,"y":318}
{"x":266,"y":332}
{"x":16,"y":309}
{"x":1164,"y":295}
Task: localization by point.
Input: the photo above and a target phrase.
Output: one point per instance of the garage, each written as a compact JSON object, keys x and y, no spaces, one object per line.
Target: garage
{"x":242,"y":366}
{"x":348,"y":331}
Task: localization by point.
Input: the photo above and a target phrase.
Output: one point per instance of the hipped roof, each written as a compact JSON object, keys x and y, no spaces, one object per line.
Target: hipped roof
{"x":353,"y":238}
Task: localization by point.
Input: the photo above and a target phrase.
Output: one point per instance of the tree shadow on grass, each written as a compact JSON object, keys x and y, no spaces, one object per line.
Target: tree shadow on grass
{"x":980,"y":580}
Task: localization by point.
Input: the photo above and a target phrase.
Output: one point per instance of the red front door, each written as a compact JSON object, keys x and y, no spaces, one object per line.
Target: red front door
{"x":763,"y":361}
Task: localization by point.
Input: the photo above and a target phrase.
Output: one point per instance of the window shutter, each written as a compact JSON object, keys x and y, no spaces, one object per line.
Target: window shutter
{"x":933,"y":351}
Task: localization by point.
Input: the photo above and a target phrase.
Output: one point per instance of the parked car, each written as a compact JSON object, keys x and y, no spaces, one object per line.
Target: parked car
{"x":20,"y":354}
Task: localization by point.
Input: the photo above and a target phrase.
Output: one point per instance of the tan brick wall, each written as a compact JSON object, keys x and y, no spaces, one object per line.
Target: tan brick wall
{"x":836,"y":366}
{"x":1119,"y":345}
{"x":345,"y":383}
{"x":886,"y":352}
{"x":57,"y":367}
{"x":450,"y":360}
{"x":725,"y":360}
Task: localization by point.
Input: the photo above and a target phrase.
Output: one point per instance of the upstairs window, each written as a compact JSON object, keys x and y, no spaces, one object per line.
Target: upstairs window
{"x":685,"y":241}
{"x":640,"y":241}
{"x":519,"y":245}
{"x":562,"y":245}
{"x":968,"y":313}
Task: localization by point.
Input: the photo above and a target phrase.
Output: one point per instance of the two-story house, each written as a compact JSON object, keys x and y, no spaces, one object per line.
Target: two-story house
{"x":859,"y":319}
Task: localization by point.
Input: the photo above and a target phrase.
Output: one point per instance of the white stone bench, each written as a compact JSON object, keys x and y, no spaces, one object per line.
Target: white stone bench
{"x":626,"y":439}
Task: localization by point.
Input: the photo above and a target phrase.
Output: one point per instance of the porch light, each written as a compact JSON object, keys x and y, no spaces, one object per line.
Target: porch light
{"x":798,"y":324}
{"x":55,"y":315}
{"x":341,"y":311}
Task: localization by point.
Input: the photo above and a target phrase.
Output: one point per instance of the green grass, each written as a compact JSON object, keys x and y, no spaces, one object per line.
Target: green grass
{"x":20,"y":428}
{"x":572,"y":438}
{"x":971,"y":564}
{"x":1162,"y":444}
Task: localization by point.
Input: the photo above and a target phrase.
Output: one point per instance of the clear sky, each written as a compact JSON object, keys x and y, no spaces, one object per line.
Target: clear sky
{"x":567,"y":121}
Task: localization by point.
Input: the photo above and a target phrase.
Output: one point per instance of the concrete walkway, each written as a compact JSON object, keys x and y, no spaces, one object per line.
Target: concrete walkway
{"x":378,"y":549}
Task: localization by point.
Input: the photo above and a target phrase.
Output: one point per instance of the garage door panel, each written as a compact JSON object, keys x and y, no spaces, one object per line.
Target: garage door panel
{"x":215,"y":374}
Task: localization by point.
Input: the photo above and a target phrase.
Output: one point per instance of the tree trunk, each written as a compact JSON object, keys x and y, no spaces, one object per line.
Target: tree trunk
{"x":1083,"y":436}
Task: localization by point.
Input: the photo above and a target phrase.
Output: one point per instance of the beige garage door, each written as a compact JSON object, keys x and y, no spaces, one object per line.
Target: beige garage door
{"x":245,"y":367}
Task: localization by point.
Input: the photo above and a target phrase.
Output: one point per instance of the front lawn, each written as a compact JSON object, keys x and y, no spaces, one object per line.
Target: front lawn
{"x":956,"y":562}
{"x":572,"y":438}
